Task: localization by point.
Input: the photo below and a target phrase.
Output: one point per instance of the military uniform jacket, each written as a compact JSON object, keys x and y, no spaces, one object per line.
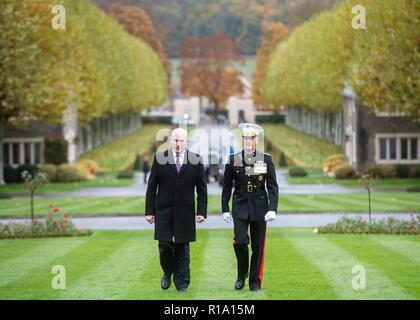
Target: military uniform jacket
{"x":170,"y":197}
{"x":256,"y":189}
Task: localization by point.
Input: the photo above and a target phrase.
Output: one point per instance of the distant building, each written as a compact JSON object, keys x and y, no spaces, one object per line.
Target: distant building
{"x":378,"y":138}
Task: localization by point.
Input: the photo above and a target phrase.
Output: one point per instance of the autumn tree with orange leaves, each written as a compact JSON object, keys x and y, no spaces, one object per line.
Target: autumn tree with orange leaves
{"x":273,"y":34}
{"x":206,"y":69}
{"x":136,"y":22}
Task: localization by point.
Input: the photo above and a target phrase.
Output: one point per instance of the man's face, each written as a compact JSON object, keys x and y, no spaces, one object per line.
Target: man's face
{"x":250,"y":144}
{"x":179,"y":140}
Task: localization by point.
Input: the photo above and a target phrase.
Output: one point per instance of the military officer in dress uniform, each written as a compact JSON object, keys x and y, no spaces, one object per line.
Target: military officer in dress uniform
{"x":254,"y":202}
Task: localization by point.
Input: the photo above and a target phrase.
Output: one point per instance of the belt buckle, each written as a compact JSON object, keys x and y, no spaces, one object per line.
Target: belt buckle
{"x":249,"y":188}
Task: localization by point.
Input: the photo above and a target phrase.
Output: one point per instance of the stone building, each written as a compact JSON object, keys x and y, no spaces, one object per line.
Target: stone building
{"x":378,"y":137}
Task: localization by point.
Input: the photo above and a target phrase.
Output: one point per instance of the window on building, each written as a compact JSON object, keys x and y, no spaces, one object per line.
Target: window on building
{"x":393,"y":149}
{"x":37,"y":152}
{"x":15,"y":153}
{"x":27,"y":152}
{"x":414,"y":148}
{"x":404,"y":148}
{"x":397,"y":148}
{"x":6,"y":154}
{"x":382,"y":147}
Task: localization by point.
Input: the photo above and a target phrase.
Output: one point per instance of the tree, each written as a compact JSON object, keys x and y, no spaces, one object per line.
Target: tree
{"x":93,"y":65}
{"x":32,"y":183}
{"x":273,"y":34}
{"x":206,"y":71}
{"x":136,"y":22}
{"x":381,"y":63}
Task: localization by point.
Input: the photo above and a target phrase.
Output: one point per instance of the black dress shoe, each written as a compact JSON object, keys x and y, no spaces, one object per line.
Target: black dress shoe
{"x":182,"y":289}
{"x":239,"y":284}
{"x":165,"y":282}
{"x":254,"y":287}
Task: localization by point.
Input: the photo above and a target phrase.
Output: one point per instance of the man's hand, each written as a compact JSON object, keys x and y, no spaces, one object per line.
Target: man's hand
{"x":270,"y":216}
{"x":150,"y":218}
{"x":227,"y":217}
{"x":200,"y":218}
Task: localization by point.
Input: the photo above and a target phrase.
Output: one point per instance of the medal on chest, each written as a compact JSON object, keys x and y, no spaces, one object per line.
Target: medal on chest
{"x":260,"y":167}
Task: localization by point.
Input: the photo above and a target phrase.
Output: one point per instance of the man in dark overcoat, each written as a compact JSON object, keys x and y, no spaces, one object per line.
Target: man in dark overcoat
{"x":170,"y":203}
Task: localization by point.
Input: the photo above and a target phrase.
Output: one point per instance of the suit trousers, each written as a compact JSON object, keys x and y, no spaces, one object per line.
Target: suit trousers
{"x":175,"y":260}
{"x":240,"y":245}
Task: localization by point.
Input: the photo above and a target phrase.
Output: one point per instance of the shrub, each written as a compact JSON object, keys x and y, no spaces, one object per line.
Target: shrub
{"x":56,"y":150}
{"x":56,"y":224}
{"x":275,"y":117}
{"x":401,"y":170}
{"x":297,"y":172}
{"x":4,"y":195}
{"x":69,"y":173}
{"x":413,"y":189}
{"x":357,"y":225}
{"x":11,"y":175}
{"x":125,"y":174}
{"x":90,"y":168}
{"x":32,"y":170}
{"x":414,"y":172}
{"x":50,"y":170}
{"x":283,"y":160}
{"x":382,"y":171}
{"x":345,"y":171}
{"x":331,"y":164}
{"x":137,"y":165}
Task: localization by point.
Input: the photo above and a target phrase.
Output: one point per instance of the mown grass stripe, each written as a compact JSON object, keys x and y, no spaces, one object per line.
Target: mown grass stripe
{"x":400,"y":245}
{"x":112,"y":278}
{"x":337,"y":265}
{"x":43,"y":252}
{"x":221,"y":270}
{"x":147,"y":285}
{"x":289,"y":274}
{"x":403,"y":272}
{"x":40,"y":207}
{"x":293,"y":204}
{"x":77,"y":262}
{"x":342,"y":201}
{"x":119,"y":207}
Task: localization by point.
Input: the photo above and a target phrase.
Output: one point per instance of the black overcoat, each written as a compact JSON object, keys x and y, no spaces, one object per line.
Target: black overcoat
{"x":170,"y":196}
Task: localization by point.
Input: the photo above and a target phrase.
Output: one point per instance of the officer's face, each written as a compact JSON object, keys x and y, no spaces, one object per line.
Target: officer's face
{"x":179,"y":140}
{"x":250,"y":144}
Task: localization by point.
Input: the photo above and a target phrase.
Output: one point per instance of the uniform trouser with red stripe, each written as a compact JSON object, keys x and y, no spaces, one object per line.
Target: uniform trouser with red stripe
{"x":240,"y":245}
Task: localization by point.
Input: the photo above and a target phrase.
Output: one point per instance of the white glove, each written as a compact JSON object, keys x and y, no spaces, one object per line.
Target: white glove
{"x":270,"y":216}
{"x":227,"y":217}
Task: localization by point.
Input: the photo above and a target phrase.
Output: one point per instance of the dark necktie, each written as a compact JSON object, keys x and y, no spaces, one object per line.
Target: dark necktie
{"x":178,"y":164}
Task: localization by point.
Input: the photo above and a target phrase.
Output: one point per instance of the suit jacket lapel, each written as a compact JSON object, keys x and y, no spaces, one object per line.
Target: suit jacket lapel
{"x":172,"y":161}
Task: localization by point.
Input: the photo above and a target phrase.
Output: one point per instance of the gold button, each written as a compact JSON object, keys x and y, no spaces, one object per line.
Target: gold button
{"x":249,"y":182}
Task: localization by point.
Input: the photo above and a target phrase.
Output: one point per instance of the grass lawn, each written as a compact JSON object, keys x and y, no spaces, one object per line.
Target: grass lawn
{"x":315,"y":176}
{"x":117,"y":154}
{"x":381,"y":201}
{"x":107,"y":181}
{"x":306,"y":150}
{"x":298,"y":265}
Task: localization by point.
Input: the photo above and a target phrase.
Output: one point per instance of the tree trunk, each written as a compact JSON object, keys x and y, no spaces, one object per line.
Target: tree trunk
{"x":1,"y":153}
{"x":32,"y":207}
